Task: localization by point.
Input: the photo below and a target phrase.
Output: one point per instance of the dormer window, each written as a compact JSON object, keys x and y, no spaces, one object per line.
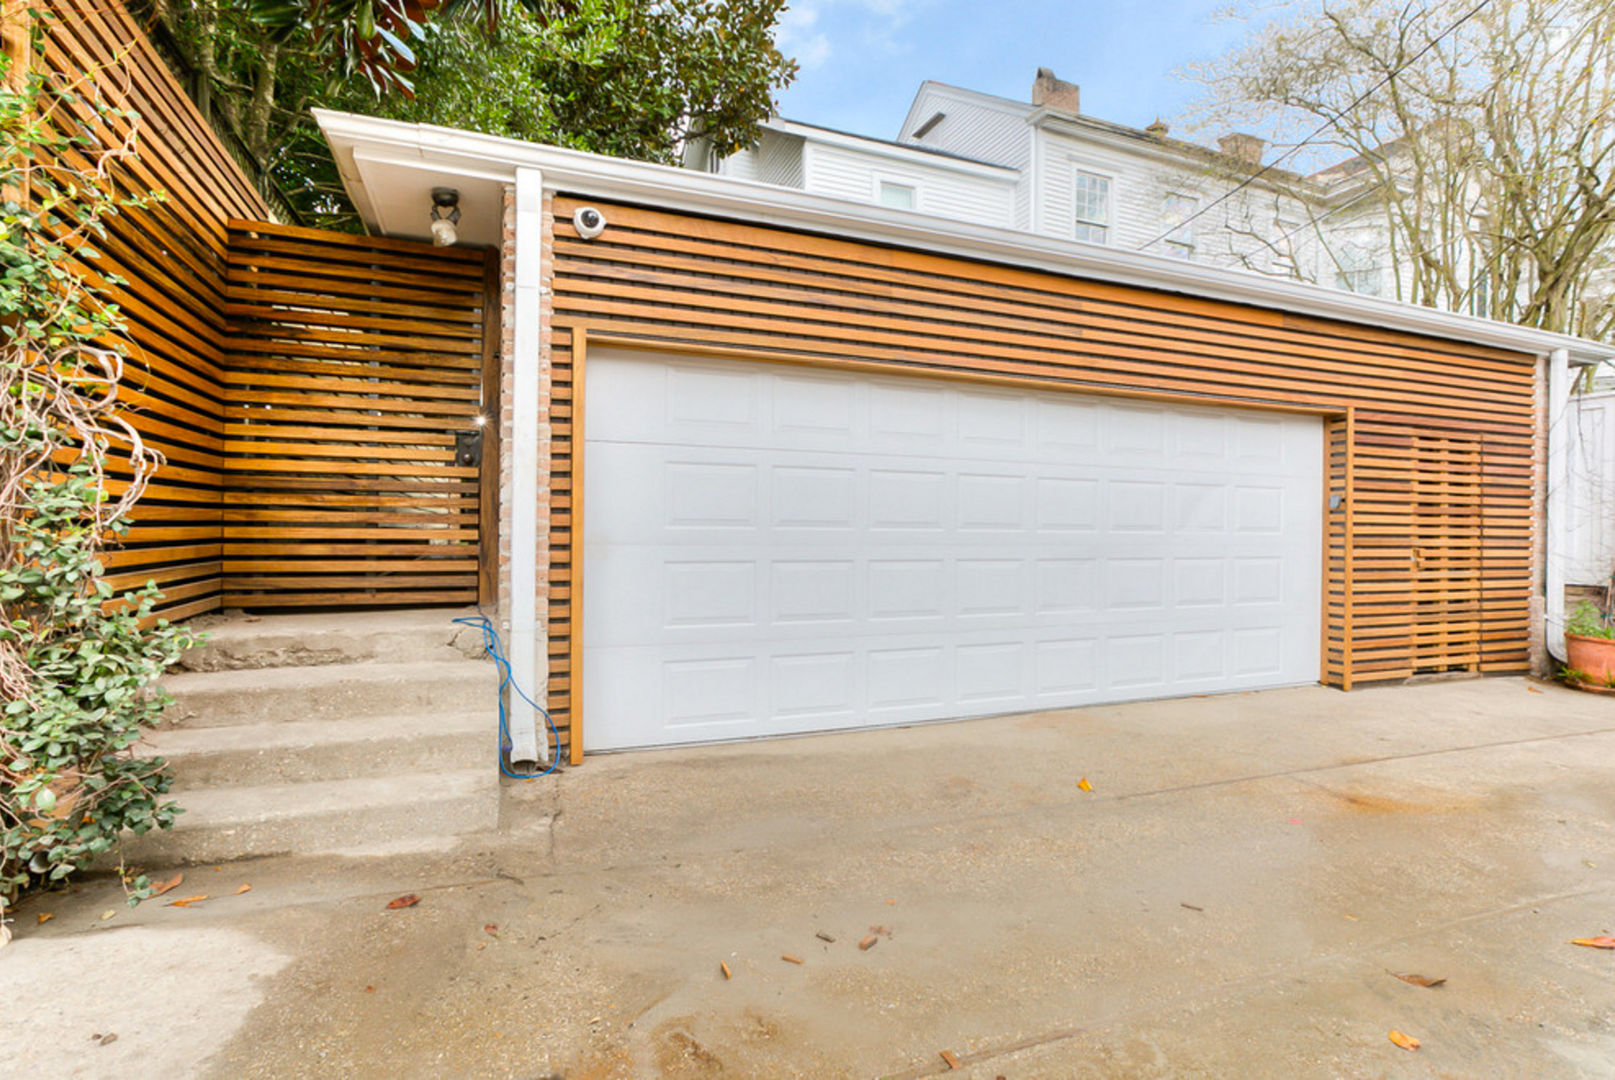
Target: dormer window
{"x":1179,"y":214}
{"x":1091,"y":197}
{"x":896,"y":195}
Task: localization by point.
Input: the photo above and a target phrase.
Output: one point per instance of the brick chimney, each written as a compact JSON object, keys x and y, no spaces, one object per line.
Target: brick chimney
{"x":1055,"y":93}
{"x":1247,"y":148}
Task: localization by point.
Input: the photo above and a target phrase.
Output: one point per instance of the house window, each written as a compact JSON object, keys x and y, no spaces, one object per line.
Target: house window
{"x":900,"y":196}
{"x":1355,"y":271}
{"x":1178,"y":213}
{"x":1480,"y":296}
{"x":1092,"y":198}
{"x":1283,"y":259}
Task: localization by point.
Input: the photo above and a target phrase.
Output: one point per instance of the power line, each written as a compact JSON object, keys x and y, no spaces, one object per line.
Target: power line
{"x":1321,"y":128}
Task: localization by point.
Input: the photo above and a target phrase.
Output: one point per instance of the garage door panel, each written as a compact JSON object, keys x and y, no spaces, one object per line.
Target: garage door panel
{"x":830,"y":551}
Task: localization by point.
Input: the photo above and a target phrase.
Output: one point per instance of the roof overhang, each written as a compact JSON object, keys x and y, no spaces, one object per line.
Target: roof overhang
{"x":390,"y":168}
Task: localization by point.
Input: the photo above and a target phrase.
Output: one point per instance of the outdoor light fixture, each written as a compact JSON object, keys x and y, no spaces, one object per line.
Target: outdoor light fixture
{"x":445,"y":216}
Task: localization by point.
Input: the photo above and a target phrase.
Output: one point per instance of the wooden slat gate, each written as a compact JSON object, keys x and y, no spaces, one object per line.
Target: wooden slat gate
{"x":353,"y":366}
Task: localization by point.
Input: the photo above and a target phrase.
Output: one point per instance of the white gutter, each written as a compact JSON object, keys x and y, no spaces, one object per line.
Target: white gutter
{"x":445,"y":150}
{"x":526,"y":750}
{"x":1559,"y":383}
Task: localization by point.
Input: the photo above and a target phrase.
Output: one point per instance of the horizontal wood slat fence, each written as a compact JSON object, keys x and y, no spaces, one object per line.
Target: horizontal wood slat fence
{"x":353,"y":363}
{"x":170,"y":257}
{"x":308,"y":407}
{"x":1429,"y":442}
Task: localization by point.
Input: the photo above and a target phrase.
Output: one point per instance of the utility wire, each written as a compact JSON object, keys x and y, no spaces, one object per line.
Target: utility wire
{"x":1320,"y":129}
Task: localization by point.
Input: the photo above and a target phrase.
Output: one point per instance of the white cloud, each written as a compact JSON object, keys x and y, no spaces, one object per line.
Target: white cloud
{"x":797,"y":37}
{"x":872,"y":24}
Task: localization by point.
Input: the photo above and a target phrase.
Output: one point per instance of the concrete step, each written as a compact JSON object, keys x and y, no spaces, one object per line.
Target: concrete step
{"x":295,"y":750}
{"x":236,"y":641}
{"x":331,"y":692}
{"x":385,"y":814}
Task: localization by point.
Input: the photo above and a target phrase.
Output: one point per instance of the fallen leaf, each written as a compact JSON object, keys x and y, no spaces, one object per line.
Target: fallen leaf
{"x":789,"y":959}
{"x":953,"y":1062}
{"x":491,"y":928}
{"x":109,"y":1037}
{"x":45,"y":917}
{"x":168,"y":885}
{"x":1084,"y":785}
{"x":1406,"y":1042}
{"x":244,"y":888}
{"x":867,"y":943}
{"x":1600,"y":942}
{"x":723,"y":967}
{"x":407,"y":900}
{"x":188,"y":901}
{"x":1418,"y":980}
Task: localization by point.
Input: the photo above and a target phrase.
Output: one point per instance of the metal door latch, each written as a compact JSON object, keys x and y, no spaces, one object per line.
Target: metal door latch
{"x":468,"y":448}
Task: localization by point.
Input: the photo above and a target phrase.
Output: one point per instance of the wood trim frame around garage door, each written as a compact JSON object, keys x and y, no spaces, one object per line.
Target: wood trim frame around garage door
{"x":1430,"y":470}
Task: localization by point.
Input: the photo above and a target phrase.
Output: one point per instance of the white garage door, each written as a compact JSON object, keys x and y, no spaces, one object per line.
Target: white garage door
{"x":773,"y":549}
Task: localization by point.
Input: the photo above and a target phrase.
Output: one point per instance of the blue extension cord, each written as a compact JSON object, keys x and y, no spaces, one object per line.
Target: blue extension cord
{"x":491,"y":645}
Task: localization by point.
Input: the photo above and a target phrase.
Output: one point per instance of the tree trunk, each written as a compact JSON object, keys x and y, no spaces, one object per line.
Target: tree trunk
{"x":262,"y":106}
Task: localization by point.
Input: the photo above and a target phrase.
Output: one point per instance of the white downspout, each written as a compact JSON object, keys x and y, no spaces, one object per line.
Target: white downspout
{"x":1558,"y":499}
{"x":526,"y":750}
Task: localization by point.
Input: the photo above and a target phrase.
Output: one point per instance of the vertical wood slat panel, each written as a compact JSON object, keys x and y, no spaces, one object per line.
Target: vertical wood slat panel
{"x":1456,"y":488}
{"x":169,"y":256}
{"x":353,"y":364}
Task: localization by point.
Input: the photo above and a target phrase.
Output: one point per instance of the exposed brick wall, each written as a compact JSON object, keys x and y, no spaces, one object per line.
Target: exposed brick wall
{"x":1541,"y":662}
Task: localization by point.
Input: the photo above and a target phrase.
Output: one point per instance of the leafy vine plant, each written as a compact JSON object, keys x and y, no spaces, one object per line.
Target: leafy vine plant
{"x":78,"y":660}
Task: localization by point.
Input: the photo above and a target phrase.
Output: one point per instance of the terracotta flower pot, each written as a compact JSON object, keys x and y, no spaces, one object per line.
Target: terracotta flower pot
{"x":1593,"y":656}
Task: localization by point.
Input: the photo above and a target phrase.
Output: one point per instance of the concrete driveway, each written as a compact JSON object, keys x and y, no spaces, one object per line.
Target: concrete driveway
{"x":1230,"y":899}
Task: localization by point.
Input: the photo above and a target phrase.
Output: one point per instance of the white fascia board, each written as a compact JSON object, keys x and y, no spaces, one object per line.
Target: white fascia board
{"x":930,"y":159}
{"x":684,"y":190}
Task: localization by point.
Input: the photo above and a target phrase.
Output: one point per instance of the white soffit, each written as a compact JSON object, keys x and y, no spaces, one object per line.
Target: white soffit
{"x":389,"y":168}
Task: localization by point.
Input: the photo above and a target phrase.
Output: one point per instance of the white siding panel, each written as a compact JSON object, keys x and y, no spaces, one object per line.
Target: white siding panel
{"x":974,"y":130}
{"x":779,"y":159}
{"x":1590,"y":513}
{"x":847,"y":174}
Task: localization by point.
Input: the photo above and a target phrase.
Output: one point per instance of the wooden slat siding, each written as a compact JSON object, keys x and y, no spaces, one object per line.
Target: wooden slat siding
{"x":170,"y":258}
{"x":341,"y":486}
{"x":668,"y":280}
{"x":1336,"y":573}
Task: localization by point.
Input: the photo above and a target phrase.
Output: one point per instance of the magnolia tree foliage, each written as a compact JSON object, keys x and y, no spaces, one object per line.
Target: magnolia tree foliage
{"x":1475,"y":136}
{"x":76,"y":661}
{"x":631,"y":78}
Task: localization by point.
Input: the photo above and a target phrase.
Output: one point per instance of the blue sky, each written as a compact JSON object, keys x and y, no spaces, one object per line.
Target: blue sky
{"x":862,"y":60}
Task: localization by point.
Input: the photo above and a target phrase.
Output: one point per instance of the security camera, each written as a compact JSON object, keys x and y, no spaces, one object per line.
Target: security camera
{"x":589,"y":222}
